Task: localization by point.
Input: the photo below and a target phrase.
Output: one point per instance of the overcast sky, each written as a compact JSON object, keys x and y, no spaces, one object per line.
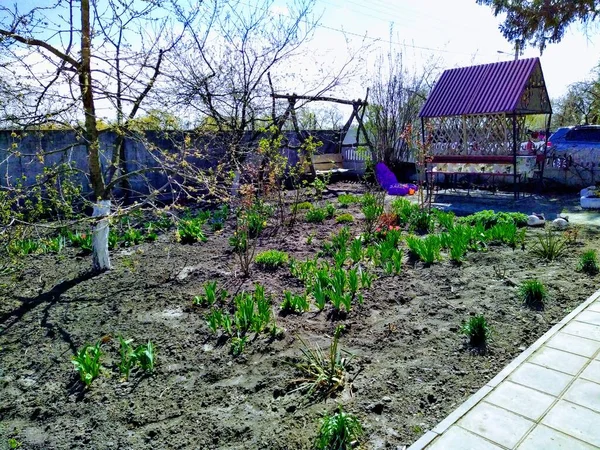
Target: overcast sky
{"x":456,"y":33}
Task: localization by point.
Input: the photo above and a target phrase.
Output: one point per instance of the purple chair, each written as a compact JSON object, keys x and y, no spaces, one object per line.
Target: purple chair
{"x":388,"y":181}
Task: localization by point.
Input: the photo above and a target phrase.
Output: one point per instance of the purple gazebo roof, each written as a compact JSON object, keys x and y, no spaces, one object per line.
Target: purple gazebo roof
{"x":495,"y":88}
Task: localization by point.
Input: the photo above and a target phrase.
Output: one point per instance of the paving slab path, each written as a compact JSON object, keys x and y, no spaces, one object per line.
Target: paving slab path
{"x":547,"y":398}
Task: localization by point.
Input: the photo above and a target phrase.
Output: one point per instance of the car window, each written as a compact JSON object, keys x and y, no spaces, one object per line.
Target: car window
{"x":584,"y":135}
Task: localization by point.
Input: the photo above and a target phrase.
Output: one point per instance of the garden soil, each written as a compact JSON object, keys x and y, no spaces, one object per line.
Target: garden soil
{"x":411,"y":366}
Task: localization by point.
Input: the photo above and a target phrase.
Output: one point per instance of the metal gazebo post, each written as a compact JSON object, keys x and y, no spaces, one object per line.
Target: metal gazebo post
{"x":514,"y":123}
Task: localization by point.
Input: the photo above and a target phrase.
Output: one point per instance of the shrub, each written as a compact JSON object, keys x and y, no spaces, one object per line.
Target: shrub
{"x":372,"y":208}
{"x":550,"y":246}
{"x":588,"y":262}
{"x":87,"y":363}
{"x":329,"y":210}
{"x":346,"y":200}
{"x":271,"y":259}
{"x":477,"y":330}
{"x":344,"y":218}
{"x":489,"y":218}
{"x":387,"y":220}
{"x":131,"y":237}
{"x":322,"y":373}
{"x":533,"y":293}
{"x":190,"y":231}
{"x":303,"y":206}
{"x":316,"y":215}
{"x":293,"y":303}
{"x":338,"y":431}
{"x":426,"y":249}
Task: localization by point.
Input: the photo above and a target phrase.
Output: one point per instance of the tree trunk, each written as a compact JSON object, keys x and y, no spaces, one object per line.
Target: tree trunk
{"x":100,"y":255}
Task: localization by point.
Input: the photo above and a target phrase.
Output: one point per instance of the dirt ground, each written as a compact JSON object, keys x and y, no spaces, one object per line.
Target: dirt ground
{"x":412,"y":367}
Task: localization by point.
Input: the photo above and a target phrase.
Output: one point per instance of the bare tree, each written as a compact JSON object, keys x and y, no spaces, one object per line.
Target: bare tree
{"x":75,"y":56}
{"x":397,"y":95}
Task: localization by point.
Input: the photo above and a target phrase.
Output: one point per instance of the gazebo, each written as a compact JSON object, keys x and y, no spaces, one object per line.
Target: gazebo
{"x":474,"y":118}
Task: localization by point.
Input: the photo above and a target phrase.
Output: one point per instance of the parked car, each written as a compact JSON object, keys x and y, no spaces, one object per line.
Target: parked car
{"x":578,"y":145}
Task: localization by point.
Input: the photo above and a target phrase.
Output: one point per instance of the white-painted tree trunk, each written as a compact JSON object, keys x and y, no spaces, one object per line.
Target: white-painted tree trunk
{"x":235,"y":186}
{"x":100,"y":256}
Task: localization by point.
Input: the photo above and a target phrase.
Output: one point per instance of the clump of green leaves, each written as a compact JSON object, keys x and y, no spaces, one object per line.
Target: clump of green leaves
{"x":489,"y":218}
{"x":211,"y":294}
{"x":588,"y":262}
{"x":345,"y":200}
{"x":24,"y":247}
{"x":80,"y":240}
{"x":271,"y":259}
{"x":87,"y":363}
{"x":339,"y":431}
{"x":142,"y":356}
{"x":302,"y":206}
{"x":190,"y":231}
{"x":294,"y":303}
{"x":252,"y":313}
{"x":344,"y":218}
{"x":316,"y":215}
{"x":372,"y":208}
{"x":477,"y":330}
{"x":322,"y":373}
{"x":550,"y":246}
{"x":427,"y":249}
{"x":533,"y":293}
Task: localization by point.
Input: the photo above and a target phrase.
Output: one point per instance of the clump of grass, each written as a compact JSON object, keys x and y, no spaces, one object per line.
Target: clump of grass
{"x":426,"y":249}
{"x":293,"y":303}
{"x":344,"y":218}
{"x":477,"y":330}
{"x":339,"y":431}
{"x":80,"y":240}
{"x":87,"y":363}
{"x":533,"y":293}
{"x":322,"y":373}
{"x":588,"y":262}
{"x":23,"y":247}
{"x":271,"y":259}
{"x":346,"y":200}
{"x":550,"y":246}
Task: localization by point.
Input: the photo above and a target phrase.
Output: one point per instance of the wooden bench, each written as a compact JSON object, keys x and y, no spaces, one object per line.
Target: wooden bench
{"x":506,"y":161}
{"x":328,"y":163}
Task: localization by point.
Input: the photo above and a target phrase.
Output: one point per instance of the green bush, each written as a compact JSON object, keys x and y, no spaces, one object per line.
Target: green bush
{"x":344,"y":218}
{"x":302,"y":206}
{"x":588,"y":262}
{"x":533,"y":293}
{"x":488,"y":218}
{"x":190,"y":231}
{"x":550,"y":246}
{"x":316,"y":215}
{"x":271,"y":259}
{"x":346,"y":200}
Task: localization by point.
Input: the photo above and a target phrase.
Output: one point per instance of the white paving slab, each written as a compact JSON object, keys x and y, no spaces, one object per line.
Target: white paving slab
{"x":585,"y":393}
{"x":496,"y":424}
{"x":541,"y":378}
{"x":588,"y":316}
{"x":558,"y":360}
{"x":576,"y":421}
{"x":594,"y":307}
{"x":574,"y":344}
{"x":457,"y":437}
{"x":592,"y":372}
{"x":545,"y":438}
{"x":582,"y":329}
{"x":510,"y":396}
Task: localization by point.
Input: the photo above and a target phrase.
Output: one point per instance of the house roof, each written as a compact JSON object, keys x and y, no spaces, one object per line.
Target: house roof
{"x":497,"y":88}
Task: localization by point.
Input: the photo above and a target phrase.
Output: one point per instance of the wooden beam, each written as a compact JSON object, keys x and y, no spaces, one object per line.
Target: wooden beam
{"x":320,"y":99}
